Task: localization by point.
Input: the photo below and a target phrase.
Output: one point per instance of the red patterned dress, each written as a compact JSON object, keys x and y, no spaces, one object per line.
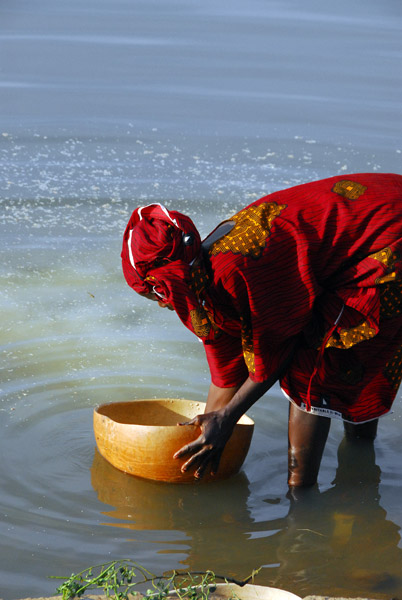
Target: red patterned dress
{"x":312,"y":274}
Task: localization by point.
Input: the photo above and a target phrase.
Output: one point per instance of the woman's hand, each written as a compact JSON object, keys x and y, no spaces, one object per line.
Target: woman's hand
{"x":207,"y":449}
{"x":228,"y":405}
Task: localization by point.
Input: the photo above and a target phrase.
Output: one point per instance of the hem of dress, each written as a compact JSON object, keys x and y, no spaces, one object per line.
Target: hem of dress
{"x":327,"y":412}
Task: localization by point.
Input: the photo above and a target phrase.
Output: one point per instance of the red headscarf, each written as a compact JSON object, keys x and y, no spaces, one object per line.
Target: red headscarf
{"x":159,"y":248}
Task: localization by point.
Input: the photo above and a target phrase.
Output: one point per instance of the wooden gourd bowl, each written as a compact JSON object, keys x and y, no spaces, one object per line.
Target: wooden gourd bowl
{"x":140,"y":438}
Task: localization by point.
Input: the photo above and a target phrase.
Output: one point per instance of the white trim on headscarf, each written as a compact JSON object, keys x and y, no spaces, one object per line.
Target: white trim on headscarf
{"x":130,"y":252}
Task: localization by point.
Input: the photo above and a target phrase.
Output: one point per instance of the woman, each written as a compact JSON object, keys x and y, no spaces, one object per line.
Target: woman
{"x":302,"y":286}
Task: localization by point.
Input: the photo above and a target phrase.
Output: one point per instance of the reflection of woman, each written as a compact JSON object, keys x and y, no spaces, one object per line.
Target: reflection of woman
{"x":345,"y":527}
{"x":302,"y":286}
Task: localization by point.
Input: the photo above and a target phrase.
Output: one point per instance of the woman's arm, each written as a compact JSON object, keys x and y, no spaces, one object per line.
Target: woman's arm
{"x":219,"y":397}
{"x":225,"y":406}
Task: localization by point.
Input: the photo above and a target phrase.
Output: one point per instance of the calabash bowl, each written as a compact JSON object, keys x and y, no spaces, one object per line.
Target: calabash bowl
{"x":249,"y":591}
{"x":140,"y":438}
{"x":230,"y":591}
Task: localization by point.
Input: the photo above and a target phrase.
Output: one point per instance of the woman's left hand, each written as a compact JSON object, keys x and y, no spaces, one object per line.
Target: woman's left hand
{"x":207,"y":449}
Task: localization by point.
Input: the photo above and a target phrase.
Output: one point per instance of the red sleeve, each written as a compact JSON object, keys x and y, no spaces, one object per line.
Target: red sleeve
{"x":263,"y":267}
{"x":226,"y":361}
{"x":274,"y":304}
{"x":268,"y":337}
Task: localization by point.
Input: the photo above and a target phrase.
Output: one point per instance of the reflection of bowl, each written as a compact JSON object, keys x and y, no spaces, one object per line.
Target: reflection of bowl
{"x":140,"y":438}
{"x":142,"y":504}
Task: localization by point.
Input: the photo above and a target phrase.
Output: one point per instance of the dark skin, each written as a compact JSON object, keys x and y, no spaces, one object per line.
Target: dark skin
{"x":224,"y":408}
{"x":155,"y":298}
{"x":307,"y":433}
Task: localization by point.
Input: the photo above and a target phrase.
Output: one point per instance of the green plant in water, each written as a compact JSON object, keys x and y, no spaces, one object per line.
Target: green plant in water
{"x":117,"y":579}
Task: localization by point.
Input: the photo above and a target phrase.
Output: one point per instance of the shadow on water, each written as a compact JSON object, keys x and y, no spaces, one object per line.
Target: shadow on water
{"x":336,"y":542}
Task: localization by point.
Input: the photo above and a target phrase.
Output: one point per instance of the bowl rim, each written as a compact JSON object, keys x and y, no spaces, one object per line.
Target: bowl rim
{"x":248,"y":421}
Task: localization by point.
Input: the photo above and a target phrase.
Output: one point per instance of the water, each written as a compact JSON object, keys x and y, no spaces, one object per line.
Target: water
{"x":204,"y":106}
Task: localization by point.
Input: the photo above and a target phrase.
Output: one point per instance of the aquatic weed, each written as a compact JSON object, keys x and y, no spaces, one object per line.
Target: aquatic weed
{"x":118,"y":578}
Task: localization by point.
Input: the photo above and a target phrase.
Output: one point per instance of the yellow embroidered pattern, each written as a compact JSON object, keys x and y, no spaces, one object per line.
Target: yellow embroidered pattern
{"x":247,"y":345}
{"x":347,"y":338}
{"x":200,"y":322}
{"x":349,"y":189}
{"x":385,"y":256}
{"x":393,"y":369}
{"x":391,"y":306}
{"x":201,"y":319}
{"x":199,"y":279}
{"x":388,"y":259}
{"x":250,"y":232}
{"x":391,"y":300}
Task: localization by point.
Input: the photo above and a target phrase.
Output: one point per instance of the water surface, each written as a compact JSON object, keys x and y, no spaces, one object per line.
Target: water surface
{"x":204,"y":106}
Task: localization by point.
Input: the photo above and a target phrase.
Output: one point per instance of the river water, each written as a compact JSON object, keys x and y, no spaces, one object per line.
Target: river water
{"x":108,"y":104}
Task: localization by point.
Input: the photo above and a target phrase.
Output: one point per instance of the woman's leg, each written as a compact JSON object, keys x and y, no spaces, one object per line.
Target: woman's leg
{"x":307,"y":435}
{"x":366,"y":431}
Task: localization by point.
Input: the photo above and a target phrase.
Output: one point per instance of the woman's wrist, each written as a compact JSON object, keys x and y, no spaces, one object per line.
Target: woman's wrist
{"x":244,"y":398}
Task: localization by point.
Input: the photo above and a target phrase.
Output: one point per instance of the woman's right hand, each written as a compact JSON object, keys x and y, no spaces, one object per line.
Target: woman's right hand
{"x":228,"y":405}
{"x":206,"y":450}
